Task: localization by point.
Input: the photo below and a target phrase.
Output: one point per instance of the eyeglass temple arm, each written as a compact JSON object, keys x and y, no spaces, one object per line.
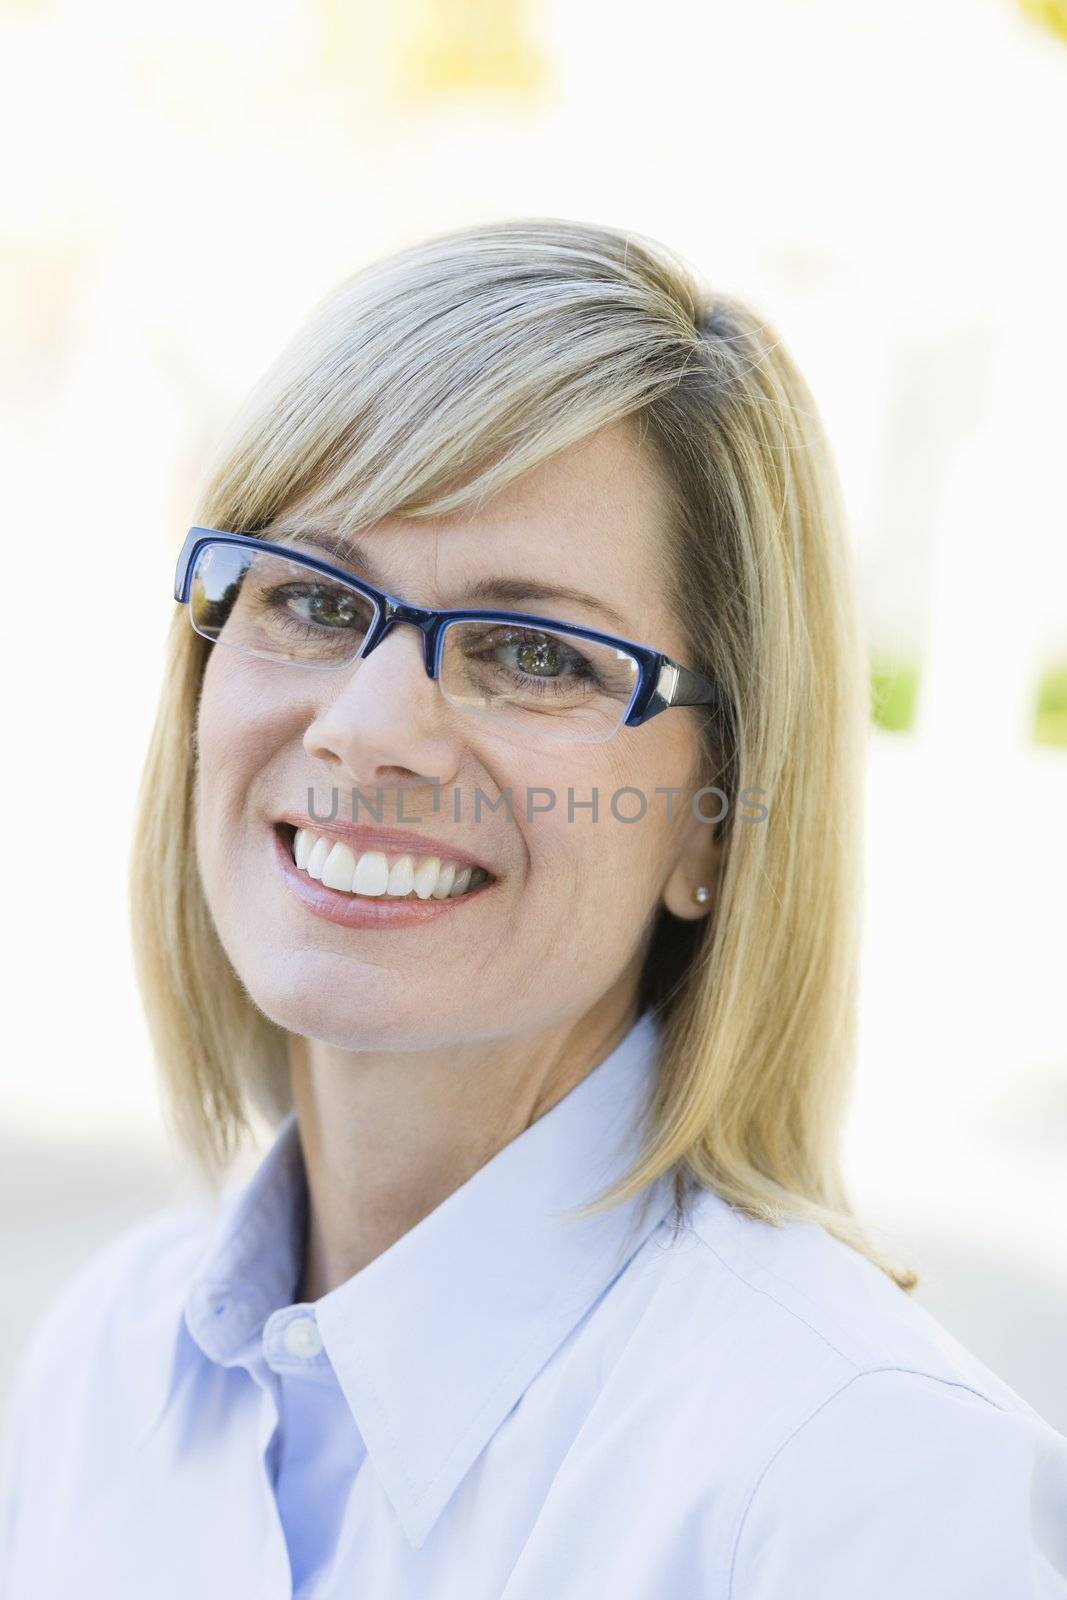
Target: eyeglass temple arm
{"x":686,"y":688}
{"x":678,"y":686}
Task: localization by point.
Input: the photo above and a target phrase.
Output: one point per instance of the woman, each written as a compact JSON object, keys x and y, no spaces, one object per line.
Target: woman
{"x":532,"y":928}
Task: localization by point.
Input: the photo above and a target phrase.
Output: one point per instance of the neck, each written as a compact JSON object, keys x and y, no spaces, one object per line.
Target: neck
{"x":387,"y":1137}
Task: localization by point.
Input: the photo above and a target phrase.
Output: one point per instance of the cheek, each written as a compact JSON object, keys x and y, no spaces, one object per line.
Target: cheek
{"x":239,"y":729}
{"x":618,"y":855}
{"x":240,"y":722}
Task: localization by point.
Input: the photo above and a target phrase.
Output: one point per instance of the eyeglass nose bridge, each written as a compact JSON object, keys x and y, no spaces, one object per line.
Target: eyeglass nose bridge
{"x":393,"y":612}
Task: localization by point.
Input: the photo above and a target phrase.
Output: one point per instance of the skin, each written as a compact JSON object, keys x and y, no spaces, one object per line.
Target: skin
{"x":416,"y":1054}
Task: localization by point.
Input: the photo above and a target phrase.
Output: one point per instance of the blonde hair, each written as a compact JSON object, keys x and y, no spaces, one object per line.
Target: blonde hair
{"x":427,"y":382}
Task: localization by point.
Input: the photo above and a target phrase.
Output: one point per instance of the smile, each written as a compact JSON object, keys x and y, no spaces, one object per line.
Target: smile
{"x":378,"y":875}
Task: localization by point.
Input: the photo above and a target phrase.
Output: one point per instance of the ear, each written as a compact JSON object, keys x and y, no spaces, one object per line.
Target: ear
{"x":699,"y":864}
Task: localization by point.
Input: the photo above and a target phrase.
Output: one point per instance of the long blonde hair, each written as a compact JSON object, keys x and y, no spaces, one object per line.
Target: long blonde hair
{"x":429,"y":381}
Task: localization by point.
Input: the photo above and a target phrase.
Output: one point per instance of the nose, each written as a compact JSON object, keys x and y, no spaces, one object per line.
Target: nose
{"x":386,"y":714}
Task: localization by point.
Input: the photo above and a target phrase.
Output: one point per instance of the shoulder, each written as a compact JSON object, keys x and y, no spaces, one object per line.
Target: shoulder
{"x":92,"y":1376}
{"x":854,"y":1436}
{"x":928,"y":1487}
{"x":814,"y":1308}
{"x":119,"y":1284}
{"x":103,"y":1345}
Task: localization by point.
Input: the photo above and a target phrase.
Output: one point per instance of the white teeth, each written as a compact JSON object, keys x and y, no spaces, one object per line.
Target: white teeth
{"x":374,"y":874}
{"x":371,"y":874}
{"x":401,"y":876}
{"x":338,"y":868}
{"x":445,"y":879}
{"x":316,"y":860}
{"x":426,"y":876}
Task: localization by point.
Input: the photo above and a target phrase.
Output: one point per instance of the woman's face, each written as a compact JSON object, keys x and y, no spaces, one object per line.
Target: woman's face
{"x":564,"y":921}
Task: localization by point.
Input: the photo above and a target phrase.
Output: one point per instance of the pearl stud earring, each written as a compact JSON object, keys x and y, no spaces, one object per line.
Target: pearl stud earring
{"x":701,"y":895}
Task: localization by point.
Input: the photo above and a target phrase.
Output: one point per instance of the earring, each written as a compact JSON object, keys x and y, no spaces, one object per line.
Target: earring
{"x":701,"y":895}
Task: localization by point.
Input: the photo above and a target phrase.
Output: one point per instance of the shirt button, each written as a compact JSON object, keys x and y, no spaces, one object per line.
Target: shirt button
{"x":302,"y":1337}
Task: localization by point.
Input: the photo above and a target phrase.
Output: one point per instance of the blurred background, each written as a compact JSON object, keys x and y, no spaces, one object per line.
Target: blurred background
{"x":885,"y":183}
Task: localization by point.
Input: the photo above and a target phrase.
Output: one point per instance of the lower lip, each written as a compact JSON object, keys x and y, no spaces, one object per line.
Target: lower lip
{"x":362,"y":911}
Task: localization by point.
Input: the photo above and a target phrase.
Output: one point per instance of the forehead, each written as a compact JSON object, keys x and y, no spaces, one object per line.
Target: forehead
{"x":593,"y":517}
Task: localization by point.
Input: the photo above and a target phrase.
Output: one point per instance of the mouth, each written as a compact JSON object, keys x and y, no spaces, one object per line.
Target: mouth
{"x":385,"y":876}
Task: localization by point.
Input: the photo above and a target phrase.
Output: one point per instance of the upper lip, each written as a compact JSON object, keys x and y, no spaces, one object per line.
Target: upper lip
{"x":406,"y":841}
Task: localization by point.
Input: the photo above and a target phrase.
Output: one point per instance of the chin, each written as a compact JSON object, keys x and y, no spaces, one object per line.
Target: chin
{"x":331,"y":999}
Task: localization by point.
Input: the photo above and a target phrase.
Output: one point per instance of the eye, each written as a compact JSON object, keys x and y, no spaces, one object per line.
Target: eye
{"x":324,"y":605}
{"x":538,"y":655}
{"x":529,"y":651}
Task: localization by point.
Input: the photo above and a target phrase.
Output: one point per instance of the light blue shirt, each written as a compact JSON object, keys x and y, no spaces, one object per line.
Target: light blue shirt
{"x":510,"y":1405}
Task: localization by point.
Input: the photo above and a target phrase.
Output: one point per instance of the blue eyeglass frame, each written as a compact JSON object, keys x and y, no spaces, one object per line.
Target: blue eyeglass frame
{"x":661,"y":684}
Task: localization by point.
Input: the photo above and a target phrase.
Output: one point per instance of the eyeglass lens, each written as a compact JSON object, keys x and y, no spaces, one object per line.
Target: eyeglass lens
{"x":543,"y":684}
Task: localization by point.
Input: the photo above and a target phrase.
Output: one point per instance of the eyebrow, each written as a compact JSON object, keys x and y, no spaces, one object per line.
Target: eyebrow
{"x":354,"y":556}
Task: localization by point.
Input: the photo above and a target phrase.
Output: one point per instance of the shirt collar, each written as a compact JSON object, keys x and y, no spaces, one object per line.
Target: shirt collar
{"x":435,"y":1340}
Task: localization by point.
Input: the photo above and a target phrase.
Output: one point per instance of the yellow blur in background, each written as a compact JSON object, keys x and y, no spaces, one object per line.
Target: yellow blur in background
{"x":184,"y":181}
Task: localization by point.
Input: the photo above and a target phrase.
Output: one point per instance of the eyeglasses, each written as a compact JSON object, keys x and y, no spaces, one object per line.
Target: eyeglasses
{"x":540,"y":680}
